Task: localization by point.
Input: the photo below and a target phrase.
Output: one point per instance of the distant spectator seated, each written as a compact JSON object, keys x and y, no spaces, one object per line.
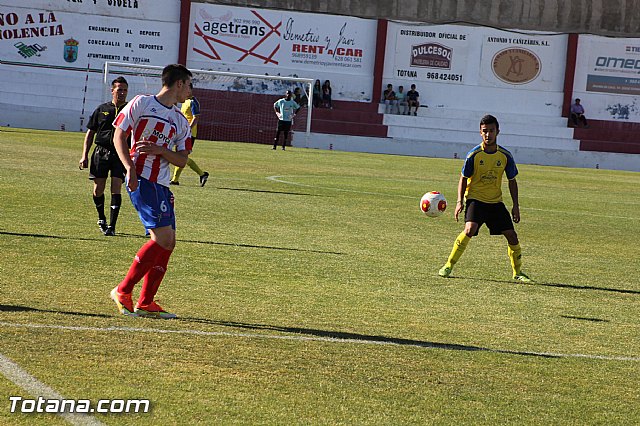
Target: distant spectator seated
{"x":401,"y":97}
{"x":577,"y":113}
{"x":300,"y":99}
{"x":413,"y":100}
{"x":390,"y":101}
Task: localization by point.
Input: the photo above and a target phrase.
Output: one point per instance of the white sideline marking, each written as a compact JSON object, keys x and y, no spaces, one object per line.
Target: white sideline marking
{"x":36,"y":388}
{"x":425,"y":345}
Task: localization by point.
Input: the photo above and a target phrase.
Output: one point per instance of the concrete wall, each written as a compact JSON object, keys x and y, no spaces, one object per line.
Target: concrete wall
{"x":610,"y":17}
{"x":523,"y":155}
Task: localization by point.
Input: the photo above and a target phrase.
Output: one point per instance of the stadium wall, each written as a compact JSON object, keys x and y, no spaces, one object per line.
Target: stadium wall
{"x":52,"y":54}
{"x":617,"y":18}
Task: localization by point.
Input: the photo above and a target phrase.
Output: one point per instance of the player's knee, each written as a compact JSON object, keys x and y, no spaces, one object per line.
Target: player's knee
{"x":470,"y":229}
{"x":511,"y":236}
{"x":98,"y":187}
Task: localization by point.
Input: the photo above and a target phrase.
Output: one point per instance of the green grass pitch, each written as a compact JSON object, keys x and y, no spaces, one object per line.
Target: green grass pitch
{"x":307,"y":290}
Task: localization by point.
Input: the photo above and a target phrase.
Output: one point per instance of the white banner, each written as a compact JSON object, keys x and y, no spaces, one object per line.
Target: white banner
{"x":257,"y":41}
{"x":38,"y":38}
{"x":477,"y":68}
{"x":607,"y":78}
{"x":143,"y":10}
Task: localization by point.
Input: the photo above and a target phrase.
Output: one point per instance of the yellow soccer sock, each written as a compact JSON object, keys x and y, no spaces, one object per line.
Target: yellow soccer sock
{"x":458,"y":248}
{"x":176,"y":173}
{"x":194,"y":167}
{"x":515,"y":256}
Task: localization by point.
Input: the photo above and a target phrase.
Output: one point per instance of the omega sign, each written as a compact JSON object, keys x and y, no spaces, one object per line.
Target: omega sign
{"x":516,"y":65}
{"x":431,"y":55}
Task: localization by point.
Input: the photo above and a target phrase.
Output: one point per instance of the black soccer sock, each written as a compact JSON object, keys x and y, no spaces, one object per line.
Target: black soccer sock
{"x":99,"y":202}
{"x":284,"y":141}
{"x":116,"y":202}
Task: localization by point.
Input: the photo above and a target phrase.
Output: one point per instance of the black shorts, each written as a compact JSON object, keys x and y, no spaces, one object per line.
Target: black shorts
{"x":494,"y":215}
{"x":284,"y":126}
{"x":105,"y":161}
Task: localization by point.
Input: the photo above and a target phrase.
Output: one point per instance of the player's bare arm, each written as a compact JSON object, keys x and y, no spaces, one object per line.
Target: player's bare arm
{"x":88,"y":141}
{"x":178,"y":159}
{"x":513,"y":190}
{"x":462,"y":187}
{"x":122,"y":148}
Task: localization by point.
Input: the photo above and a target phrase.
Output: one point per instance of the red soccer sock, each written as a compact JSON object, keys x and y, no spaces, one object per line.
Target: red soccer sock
{"x":145,"y":259}
{"x":153,"y":278}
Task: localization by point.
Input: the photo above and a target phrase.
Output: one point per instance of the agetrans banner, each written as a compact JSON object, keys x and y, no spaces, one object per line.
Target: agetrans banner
{"x":256,"y":41}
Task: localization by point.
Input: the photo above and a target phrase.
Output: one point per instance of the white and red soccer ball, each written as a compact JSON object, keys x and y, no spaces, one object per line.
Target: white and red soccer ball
{"x":433,"y":204}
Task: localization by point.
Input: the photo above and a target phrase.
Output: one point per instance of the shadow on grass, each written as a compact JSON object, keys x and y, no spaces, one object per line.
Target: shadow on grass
{"x":586,"y":287}
{"x":57,"y":237}
{"x":558,"y":285}
{"x":218,"y":243}
{"x":19,"y":308}
{"x":584,"y":318}
{"x":268,"y":192}
{"x":363,"y":338}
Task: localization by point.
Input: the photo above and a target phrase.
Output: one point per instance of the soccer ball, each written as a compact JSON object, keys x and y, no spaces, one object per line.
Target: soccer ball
{"x":433,"y":204}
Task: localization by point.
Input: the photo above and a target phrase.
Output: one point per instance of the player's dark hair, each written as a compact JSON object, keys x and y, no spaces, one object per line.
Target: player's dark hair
{"x":120,"y":79}
{"x":174,"y":73}
{"x":490,"y":119}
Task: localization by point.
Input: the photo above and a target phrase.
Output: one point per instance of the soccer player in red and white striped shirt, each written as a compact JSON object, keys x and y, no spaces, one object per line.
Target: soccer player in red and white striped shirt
{"x":160,"y":135}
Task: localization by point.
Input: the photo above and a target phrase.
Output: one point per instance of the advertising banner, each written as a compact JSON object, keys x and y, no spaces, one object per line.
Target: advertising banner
{"x":477,"y":68}
{"x":607,"y":77}
{"x":613,"y":67}
{"x":431,"y":53}
{"x":256,"y":41}
{"x":144,"y":10}
{"x":67,"y":40}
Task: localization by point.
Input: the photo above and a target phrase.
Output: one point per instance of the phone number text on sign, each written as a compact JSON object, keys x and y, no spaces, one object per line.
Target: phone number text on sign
{"x":444,"y":76}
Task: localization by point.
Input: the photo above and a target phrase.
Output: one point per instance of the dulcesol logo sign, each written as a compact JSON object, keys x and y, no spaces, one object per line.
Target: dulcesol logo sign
{"x":431,"y":55}
{"x":516,"y":65}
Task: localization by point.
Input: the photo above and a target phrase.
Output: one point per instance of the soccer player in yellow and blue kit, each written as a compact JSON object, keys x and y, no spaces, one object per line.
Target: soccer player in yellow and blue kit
{"x":191,"y":110}
{"x":481,"y":185}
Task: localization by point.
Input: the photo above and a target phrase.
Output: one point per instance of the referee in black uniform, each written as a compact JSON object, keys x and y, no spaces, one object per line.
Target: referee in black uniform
{"x":104,"y":159}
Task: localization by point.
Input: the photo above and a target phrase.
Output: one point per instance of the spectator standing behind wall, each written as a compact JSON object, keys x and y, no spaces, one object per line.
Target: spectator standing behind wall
{"x":577,"y":113}
{"x":317,"y":94}
{"x":401,"y":97}
{"x":413,"y":99}
{"x":326,"y":94}
{"x":390,"y":101}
